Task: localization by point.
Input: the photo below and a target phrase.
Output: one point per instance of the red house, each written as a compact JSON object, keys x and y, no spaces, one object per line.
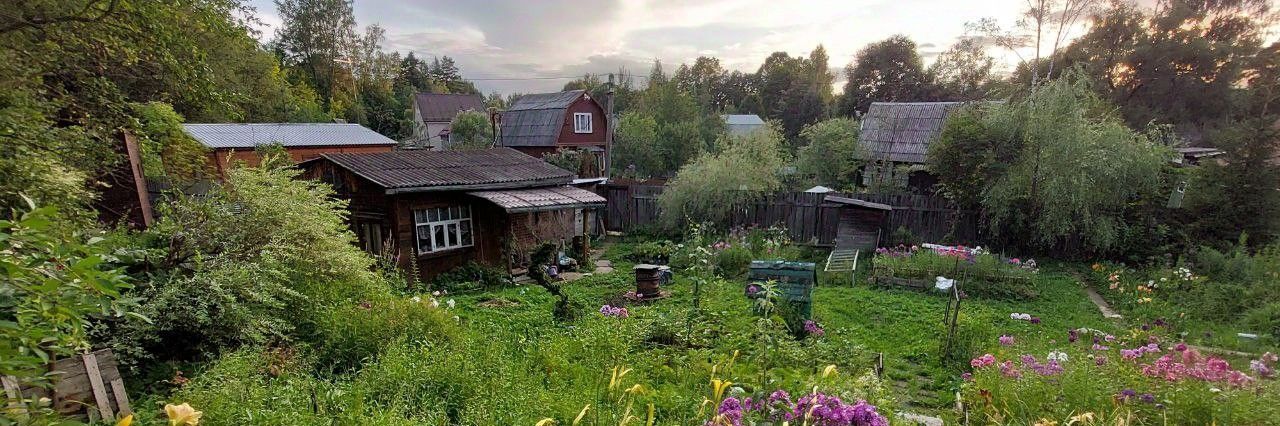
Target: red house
{"x":544,"y":123}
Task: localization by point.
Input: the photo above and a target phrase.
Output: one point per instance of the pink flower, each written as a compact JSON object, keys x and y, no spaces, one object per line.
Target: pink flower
{"x":983,"y":361}
{"x":1006,"y":340}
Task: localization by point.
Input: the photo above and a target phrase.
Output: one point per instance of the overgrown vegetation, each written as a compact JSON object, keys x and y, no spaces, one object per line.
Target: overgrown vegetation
{"x":710,"y":187}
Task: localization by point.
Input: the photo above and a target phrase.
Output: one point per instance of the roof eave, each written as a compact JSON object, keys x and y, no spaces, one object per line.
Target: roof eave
{"x":468,"y":187}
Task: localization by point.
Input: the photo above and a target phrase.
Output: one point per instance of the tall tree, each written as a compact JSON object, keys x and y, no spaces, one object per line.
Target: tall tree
{"x":314,"y":35}
{"x":963,"y":71}
{"x":889,"y":70}
{"x":790,"y":91}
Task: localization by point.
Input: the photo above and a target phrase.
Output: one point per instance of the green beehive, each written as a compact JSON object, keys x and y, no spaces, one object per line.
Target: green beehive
{"x":794,"y":280}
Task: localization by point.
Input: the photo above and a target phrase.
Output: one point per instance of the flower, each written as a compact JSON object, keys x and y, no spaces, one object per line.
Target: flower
{"x":982,"y":361}
{"x":1008,"y":370}
{"x":1057,"y":356}
{"x":1006,"y":340}
{"x":451,"y":303}
{"x":1035,"y":320}
{"x":1100,"y":360}
{"x":967,"y":376}
{"x":436,"y":293}
{"x":614,"y":312}
{"x":1072,"y":336}
{"x":182,"y":415}
{"x":811,"y":328}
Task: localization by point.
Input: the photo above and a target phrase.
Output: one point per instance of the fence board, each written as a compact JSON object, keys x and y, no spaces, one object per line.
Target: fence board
{"x":806,"y":216}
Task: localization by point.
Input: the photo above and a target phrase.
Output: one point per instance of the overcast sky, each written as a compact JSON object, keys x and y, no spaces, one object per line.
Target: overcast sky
{"x":562,"y":38}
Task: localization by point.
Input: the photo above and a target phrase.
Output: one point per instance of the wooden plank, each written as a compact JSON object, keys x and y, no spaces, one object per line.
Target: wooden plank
{"x":13,"y":394}
{"x":121,"y":397}
{"x":99,"y":389}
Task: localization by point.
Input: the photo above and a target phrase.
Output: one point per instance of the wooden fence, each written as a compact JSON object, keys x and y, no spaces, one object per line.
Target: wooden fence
{"x":806,"y":216}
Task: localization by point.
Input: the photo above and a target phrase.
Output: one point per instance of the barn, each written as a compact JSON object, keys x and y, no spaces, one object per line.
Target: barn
{"x":545,"y":123}
{"x":443,"y":209}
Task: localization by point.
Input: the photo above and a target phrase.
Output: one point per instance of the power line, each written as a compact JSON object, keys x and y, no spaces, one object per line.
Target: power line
{"x":539,"y":78}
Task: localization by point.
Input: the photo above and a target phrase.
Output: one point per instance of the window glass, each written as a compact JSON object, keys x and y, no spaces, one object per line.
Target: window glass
{"x":433,"y":215}
{"x":464,"y":229}
{"x":424,"y":238}
{"x":453,"y":235}
{"x":437,"y":232}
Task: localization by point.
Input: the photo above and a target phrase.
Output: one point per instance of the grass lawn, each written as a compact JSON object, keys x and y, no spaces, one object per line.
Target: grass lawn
{"x":905,"y":325}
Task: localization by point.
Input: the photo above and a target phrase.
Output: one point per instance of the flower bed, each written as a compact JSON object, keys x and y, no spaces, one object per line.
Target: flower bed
{"x":1095,"y":378}
{"x":985,"y":274}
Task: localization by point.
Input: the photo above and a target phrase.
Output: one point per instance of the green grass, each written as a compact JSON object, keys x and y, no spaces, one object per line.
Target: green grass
{"x":514,"y":364}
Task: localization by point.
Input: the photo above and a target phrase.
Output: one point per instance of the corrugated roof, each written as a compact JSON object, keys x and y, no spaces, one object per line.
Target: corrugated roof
{"x":423,"y":170}
{"x":857,"y":202}
{"x":747,"y":119}
{"x":541,"y":199}
{"x":536,"y":120}
{"x":442,"y":107}
{"x":902,"y":131}
{"x":250,"y":135}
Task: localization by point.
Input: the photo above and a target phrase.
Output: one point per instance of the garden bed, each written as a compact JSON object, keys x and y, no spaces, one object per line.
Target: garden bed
{"x":983,"y":274}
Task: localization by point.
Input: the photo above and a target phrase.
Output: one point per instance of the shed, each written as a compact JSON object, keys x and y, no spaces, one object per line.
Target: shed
{"x":741,"y":124}
{"x":861,"y":222}
{"x":442,"y":209}
{"x":901,"y":132}
{"x":303,"y":141}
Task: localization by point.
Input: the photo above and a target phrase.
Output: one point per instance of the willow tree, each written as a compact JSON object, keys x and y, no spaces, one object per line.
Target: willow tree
{"x":742,"y":169}
{"x":1078,"y":168}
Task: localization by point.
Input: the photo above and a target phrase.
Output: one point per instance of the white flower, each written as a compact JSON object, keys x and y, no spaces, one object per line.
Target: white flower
{"x":436,"y":293}
{"x":435,"y":303}
{"x":455,"y":318}
{"x":1215,"y":390}
{"x":416,"y":299}
{"x":451,"y":303}
{"x":1057,"y":356}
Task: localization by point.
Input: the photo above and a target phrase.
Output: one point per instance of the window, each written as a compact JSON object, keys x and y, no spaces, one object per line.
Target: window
{"x":582,"y":122}
{"x":443,"y":228}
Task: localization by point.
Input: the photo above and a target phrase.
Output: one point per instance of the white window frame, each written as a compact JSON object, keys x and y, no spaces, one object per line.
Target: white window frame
{"x":582,"y":122}
{"x":451,"y":221}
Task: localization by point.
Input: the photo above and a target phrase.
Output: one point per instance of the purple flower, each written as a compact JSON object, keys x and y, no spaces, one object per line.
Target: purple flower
{"x":967,"y":376}
{"x":1100,"y":360}
{"x":1147,"y":398}
{"x":811,"y":328}
{"x":1035,"y":320}
{"x":1006,"y":340}
{"x":1073,"y":336}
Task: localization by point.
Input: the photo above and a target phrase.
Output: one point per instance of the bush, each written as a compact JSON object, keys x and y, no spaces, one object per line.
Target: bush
{"x":1264,"y":319}
{"x":712,"y":185}
{"x":472,"y":276}
{"x":347,"y":336}
{"x":250,"y":262}
{"x":732,"y":262}
{"x":655,"y":252}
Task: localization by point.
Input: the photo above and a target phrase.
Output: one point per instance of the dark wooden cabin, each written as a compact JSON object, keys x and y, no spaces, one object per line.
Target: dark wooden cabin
{"x":443,"y":209}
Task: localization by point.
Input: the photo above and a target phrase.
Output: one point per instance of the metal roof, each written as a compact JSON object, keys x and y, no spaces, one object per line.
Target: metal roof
{"x":442,"y":107}
{"x":541,"y":199}
{"x":857,"y":202}
{"x":747,"y":119}
{"x":423,"y":170}
{"x":250,"y":135}
{"x":536,"y":120}
{"x":901,"y":132}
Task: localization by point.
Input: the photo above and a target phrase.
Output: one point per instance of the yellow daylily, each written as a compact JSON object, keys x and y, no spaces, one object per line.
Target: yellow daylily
{"x":616,"y":378}
{"x":581,"y":415}
{"x":1082,"y":417}
{"x":546,"y":422}
{"x":182,"y":415}
{"x":829,"y":371}
{"x":717,"y":389}
{"x":126,"y":421}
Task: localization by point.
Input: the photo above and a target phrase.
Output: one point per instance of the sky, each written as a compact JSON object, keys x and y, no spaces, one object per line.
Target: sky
{"x":545,"y":43}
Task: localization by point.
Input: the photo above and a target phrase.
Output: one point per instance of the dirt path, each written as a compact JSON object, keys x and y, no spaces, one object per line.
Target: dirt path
{"x":1102,"y":304}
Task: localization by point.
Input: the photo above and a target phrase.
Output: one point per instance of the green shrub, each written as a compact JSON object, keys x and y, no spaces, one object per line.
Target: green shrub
{"x":260,"y":255}
{"x":655,"y":252}
{"x":347,"y":336}
{"x":1264,"y":319}
{"x":732,"y":262}
{"x":472,"y":276}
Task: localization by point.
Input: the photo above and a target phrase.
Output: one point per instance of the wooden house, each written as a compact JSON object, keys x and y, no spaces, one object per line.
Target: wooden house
{"x":541,"y":124}
{"x":443,"y":209}
{"x":896,"y":136}
{"x":229,"y":142}
{"x":433,"y":115}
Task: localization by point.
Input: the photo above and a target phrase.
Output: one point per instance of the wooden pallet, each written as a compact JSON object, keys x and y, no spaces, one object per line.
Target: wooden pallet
{"x":85,"y":385}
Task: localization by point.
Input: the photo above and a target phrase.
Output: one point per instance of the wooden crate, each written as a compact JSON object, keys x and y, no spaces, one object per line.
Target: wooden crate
{"x":87,"y":385}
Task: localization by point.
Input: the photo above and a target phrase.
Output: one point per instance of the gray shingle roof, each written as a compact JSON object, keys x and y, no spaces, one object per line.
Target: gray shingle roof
{"x":536,"y":120}
{"x":250,"y":135}
{"x":748,"y":119}
{"x":442,"y":107}
{"x":424,"y":170}
{"x":902,"y":131}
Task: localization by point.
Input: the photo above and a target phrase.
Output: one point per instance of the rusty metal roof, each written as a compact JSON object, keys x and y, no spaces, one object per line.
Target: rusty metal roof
{"x":541,"y":199}
{"x":251,"y":135}
{"x":901,"y":132}
{"x":423,"y":170}
{"x":442,"y":107}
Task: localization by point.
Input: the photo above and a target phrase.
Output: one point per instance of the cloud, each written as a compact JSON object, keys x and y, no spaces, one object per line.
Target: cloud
{"x":541,"y":40}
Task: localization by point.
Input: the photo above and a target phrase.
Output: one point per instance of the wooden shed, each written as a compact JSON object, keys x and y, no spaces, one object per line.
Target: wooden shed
{"x":442,"y":209}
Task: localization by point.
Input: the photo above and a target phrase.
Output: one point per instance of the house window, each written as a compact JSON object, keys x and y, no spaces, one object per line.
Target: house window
{"x":582,"y":122}
{"x":443,"y":228}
